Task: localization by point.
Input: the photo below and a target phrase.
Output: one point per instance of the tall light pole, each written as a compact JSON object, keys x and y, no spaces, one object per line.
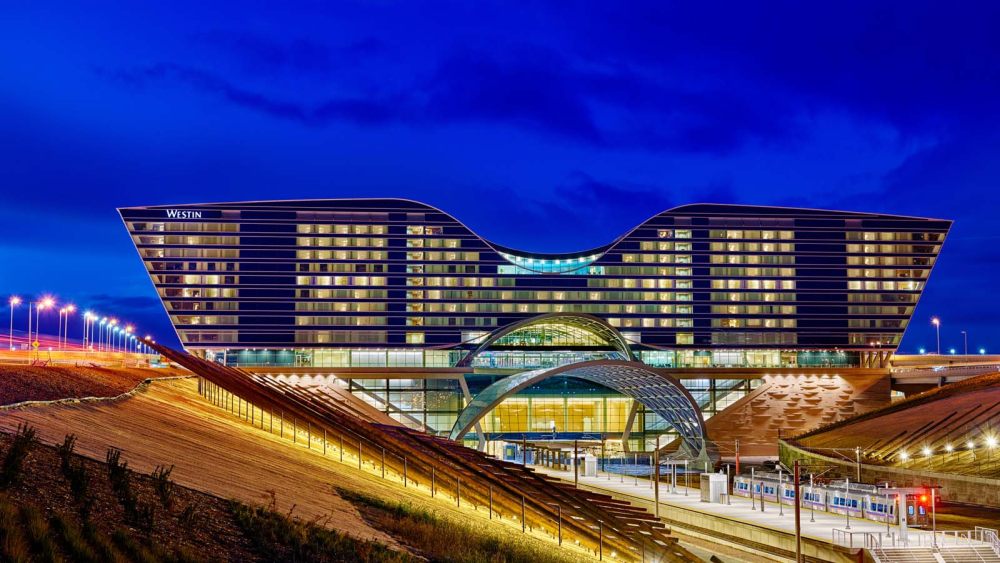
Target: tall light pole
{"x":88,"y":324}
{"x":965,"y":337}
{"x":14,"y":301}
{"x":937,"y":325}
{"x":128,"y":336}
{"x":64,"y":314}
{"x":100,"y":334}
{"x":70,"y":309}
{"x":59,"y":330}
{"x":45,"y":303}
{"x":111,"y":328}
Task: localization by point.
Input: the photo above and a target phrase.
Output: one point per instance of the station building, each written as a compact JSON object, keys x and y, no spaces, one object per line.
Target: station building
{"x":407,"y":307}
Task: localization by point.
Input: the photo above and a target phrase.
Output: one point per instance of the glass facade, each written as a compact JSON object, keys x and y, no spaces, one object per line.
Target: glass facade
{"x":370,"y":273}
{"x":397,"y":283}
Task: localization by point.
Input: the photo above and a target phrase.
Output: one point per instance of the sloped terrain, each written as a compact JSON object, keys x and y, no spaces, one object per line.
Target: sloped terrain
{"x":20,"y":383}
{"x":218,"y":453}
{"x":932,"y":430}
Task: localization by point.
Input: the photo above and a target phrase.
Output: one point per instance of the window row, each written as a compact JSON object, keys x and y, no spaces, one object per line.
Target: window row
{"x":751,"y":234}
{"x":451,"y":321}
{"x":326,"y":229}
{"x":884,"y":285}
{"x":341,"y":254}
{"x":883,"y":273}
{"x":433,"y":243}
{"x":190,"y":253}
{"x":892,"y":236}
{"x":753,"y":323}
{"x":657,"y":258}
{"x":341,"y":242}
{"x":349,"y":320}
{"x":753,"y":272}
{"x":753,"y":309}
{"x":189,"y":240}
{"x":772,"y":259}
{"x":891,"y":249}
{"x":196,"y":279}
{"x":348,"y":281}
{"x":752,"y":247}
{"x":445,"y":256}
{"x":753,"y":284}
{"x":187,"y":227}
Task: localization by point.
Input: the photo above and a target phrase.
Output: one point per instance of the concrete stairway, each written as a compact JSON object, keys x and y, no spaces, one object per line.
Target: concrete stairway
{"x":944,"y":555}
{"x":969,"y":554}
{"x":905,"y":555}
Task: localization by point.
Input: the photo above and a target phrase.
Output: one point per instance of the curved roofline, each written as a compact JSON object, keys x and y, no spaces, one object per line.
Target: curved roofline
{"x":500,"y":248}
{"x":618,"y":340}
{"x":689,"y":423}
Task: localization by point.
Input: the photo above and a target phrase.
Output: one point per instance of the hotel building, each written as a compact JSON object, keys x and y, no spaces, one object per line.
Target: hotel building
{"x":409,"y":308}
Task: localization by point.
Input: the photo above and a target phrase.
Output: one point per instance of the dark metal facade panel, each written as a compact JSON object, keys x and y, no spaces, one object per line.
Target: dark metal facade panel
{"x":376,"y":273}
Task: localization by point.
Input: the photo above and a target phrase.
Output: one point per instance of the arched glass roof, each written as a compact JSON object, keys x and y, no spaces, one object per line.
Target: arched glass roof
{"x":658,"y":392}
{"x":565,"y":330}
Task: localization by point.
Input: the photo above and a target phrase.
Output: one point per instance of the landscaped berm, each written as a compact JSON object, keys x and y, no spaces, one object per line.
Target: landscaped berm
{"x":181,"y":470}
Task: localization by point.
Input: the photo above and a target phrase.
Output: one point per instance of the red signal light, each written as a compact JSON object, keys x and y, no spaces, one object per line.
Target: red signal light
{"x":923,"y":498}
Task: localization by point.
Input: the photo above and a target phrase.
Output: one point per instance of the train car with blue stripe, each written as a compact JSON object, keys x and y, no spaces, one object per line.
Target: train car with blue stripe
{"x":858,"y":500}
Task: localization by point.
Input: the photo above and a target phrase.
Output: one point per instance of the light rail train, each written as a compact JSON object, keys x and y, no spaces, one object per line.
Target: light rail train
{"x":859,"y":500}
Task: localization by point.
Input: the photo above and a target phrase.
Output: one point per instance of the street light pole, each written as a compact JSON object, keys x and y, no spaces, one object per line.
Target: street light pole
{"x":45,"y":303}
{"x":937,"y":325}
{"x":965,"y":337}
{"x":798,"y":521}
{"x":67,"y":311}
{"x":14,"y":301}
{"x":847,"y":508}
{"x":30,"y":305}
{"x":656,"y":479}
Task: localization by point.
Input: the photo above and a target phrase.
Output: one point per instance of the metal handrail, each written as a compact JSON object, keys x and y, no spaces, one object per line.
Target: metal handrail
{"x":991,"y":537}
{"x":872,"y":540}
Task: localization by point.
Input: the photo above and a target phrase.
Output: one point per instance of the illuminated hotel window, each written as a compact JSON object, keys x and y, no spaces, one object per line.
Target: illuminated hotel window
{"x":414,"y":338}
{"x":663,"y":233}
{"x":682,"y":234}
{"x":685,"y":337}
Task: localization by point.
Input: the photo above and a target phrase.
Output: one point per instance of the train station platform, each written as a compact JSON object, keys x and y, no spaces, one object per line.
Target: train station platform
{"x":826,"y":536}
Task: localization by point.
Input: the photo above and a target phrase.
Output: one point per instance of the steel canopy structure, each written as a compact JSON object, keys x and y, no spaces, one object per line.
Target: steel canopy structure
{"x":657,"y":391}
{"x":594,"y":329}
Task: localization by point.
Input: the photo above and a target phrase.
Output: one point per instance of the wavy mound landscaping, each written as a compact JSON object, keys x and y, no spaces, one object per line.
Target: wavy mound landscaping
{"x":19,"y":383}
{"x":256,"y":481}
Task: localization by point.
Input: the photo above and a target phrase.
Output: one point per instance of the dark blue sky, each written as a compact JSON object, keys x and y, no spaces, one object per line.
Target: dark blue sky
{"x":544,"y":126}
